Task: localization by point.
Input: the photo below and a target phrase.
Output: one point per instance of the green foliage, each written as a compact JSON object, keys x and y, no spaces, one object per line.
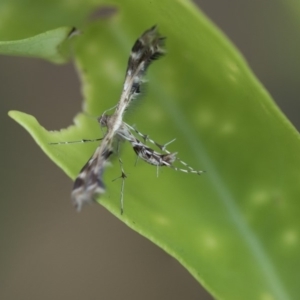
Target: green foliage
{"x":236,"y":228}
{"x":46,"y":45}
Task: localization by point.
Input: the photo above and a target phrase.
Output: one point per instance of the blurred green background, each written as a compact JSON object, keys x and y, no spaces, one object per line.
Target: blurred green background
{"x":48,"y":251}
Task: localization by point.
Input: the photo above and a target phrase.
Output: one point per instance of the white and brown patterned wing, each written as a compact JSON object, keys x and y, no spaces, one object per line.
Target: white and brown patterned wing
{"x":147,"y":48}
{"x":89,"y":183}
{"x":151,"y":156}
{"x":144,"y":152}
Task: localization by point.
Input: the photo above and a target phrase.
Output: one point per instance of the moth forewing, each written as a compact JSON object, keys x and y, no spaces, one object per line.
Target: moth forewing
{"x":146,"y":49}
{"x":89,"y":183}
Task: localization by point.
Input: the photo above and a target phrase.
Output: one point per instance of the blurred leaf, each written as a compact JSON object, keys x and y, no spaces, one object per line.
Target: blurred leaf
{"x":46,"y":45}
{"x":294,"y":5}
{"x":236,"y":228}
{"x":25,"y":18}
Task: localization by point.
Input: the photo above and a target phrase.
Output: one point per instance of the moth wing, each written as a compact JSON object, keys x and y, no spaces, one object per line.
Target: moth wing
{"x":89,"y":183}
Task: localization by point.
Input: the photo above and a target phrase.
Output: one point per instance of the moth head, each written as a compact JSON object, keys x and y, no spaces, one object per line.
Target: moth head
{"x":103,"y":120}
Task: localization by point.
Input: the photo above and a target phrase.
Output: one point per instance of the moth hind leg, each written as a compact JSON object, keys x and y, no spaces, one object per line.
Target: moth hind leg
{"x":147,"y":138}
{"x":123,"y":176}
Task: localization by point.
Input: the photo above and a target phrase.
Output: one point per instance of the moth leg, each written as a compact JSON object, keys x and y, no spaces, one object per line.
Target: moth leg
{"x":136,"y":160}
{"x":122,"y":188}
{"x":163,"y":148}
{"x":147,"y":138}
{"x":123,"y":176}
{"x":76,"y":142}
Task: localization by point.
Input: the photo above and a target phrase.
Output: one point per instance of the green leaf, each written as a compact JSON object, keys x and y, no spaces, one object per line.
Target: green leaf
{"x":46,"y":45}
{"x":21,"y":19}
{"x":236,"y":228}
